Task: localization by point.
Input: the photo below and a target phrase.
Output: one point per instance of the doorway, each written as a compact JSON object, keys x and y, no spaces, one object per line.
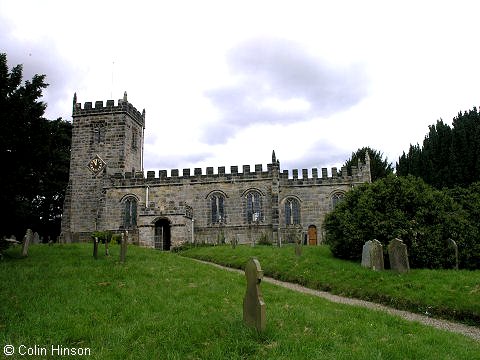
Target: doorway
{"x":312,"y":235}
{"x":162,"y":235}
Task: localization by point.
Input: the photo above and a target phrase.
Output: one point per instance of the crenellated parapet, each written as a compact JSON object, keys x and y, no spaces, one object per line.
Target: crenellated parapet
{"x":123,"y":106}
{"x":359,"y":174}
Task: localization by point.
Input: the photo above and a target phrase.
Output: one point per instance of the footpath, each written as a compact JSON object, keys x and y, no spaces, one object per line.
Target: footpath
{"x":470,"y":331}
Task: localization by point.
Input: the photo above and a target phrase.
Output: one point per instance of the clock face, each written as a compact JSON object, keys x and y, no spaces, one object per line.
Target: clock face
{"x":96,"y":164}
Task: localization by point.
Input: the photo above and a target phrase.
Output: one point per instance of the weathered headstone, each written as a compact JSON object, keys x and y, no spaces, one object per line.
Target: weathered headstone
{"x":95,"y":247}
{"x":123,"y":246}
{"x":397,"y":253}
{"x":298,"y":248}
{"x":26,"y":242}
{"x":453,"y":245}
{"x":366,"y":262}
{"x":106,"y":248}
{"x":36,"y":238}
{"x":372,"y":255}
{"x":253,"y":304}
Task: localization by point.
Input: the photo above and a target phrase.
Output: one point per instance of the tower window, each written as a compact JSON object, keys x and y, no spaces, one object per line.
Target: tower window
{"x":98,"y":133}
{"x":134,"y":139}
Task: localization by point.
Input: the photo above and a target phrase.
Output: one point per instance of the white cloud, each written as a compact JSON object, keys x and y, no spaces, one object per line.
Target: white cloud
{"x":225,"y":83}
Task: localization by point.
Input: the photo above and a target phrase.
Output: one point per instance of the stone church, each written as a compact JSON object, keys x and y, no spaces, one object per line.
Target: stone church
{"x":108,"y":190}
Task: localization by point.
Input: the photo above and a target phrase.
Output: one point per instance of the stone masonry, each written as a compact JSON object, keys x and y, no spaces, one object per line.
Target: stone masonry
{"x":108,"y":190}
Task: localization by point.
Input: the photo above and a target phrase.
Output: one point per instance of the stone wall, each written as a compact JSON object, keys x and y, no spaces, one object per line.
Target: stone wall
{"x":106,"y":132}
{"x":97,"y":200}
{"x":167,"y":195}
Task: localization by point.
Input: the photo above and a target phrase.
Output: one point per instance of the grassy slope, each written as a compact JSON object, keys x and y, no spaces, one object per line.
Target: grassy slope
{"x":441,"y":293}
{"x":159,"y":305}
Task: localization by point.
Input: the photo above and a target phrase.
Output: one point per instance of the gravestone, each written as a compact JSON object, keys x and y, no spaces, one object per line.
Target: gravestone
{"x":366,"y":262}
{"x":397,"y":253}
{"x":26,"y":242}
{"x":106,"y":247}
{"x":298,"y":248}
{"x":36,"y":238}
{"x":453,"y":245}
{"x":123,"y":246}
{"x":95,"y":247}
{"x":253,"y":304}
{"x":372,"y":255}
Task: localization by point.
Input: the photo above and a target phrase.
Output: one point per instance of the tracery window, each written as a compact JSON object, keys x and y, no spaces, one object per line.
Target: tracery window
{"x":336,"y":198}
{"x":130,"y":213}
{"x":254,"y":207}
{"x":217,"y":207}
{"x":292,"y":212}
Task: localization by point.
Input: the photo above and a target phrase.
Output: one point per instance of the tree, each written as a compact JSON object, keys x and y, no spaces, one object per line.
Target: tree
{"x":449,"y":156}
{"x":379,"y":167}
{"x":409,"y":209}
{"x":34,"y":153}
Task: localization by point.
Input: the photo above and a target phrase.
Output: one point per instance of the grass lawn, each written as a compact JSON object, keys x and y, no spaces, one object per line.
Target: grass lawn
{"x":440,"y":293}
{"x":162,"y":306}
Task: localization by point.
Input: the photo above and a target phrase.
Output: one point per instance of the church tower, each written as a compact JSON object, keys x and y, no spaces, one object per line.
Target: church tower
{"x":105,"y":140}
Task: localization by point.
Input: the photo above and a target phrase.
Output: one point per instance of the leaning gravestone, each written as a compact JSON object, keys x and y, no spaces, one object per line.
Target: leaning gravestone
{"x":453,"y":245}
{"x":253,"y":304}
{"x":397,"y":253}
{"x":372,"y":255}
{"x":26,"y":242}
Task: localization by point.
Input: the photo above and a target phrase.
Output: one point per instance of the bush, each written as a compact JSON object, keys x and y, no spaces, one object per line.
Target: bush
{"x":117,"y":238}
{"x":409,"y":209}
{"x":103,"y":236}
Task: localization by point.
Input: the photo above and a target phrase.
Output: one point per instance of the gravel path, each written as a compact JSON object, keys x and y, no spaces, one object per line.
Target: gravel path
{"x":470,"y":331}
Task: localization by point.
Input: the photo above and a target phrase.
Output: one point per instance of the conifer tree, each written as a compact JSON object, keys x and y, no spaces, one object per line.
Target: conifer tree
{"x":34,"y":153}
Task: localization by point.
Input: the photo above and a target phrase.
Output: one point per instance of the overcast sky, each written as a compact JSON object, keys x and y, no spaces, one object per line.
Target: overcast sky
{"x":226,"y":82}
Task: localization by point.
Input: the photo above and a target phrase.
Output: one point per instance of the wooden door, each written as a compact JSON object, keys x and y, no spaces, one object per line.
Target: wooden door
{"x":312,"y":235}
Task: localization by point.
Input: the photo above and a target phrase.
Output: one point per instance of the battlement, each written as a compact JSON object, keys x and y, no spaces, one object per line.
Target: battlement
{"x":360,"y":173}
{"x":123,"y":106}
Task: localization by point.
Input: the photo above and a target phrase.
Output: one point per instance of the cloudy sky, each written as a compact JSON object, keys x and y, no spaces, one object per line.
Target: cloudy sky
{"x":226,"y":82}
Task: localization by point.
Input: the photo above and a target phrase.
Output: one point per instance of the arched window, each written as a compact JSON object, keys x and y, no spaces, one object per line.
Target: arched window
{"x":254,"y":207}
{"x":217,"y":207}
{"x":292,"y":212}
{"x":336,"y":198}
{"x":130,"y":213}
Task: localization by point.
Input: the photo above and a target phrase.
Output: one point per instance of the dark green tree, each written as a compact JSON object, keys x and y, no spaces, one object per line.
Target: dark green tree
{"x":449,"y":156}
{"x":409,"y":209}
{"x":379,"y":167}
{"x":34,"y":153}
